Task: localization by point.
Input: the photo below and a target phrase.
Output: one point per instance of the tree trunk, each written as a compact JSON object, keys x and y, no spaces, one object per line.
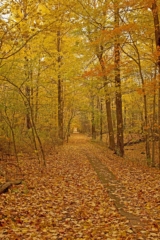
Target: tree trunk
{"x":5,"y":186}
{"x":37,"y":93}
{"x":107,"y":101}
{"x":93,"y":128}
{"x":28,"y":120}
{"x":60,"y":88}
{"x":119,"y":114}
{"x":101,"y":119}
{"x":157,"y":39}
{"x":153,"y":128}
{"x":110,"y":124}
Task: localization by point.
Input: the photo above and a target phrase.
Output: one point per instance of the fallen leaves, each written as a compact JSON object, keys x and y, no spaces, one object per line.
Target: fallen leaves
{"x":139,"y":191}
{"x":69,"y":202}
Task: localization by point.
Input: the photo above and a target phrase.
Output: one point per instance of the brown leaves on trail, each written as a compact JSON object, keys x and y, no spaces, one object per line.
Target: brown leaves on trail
{"x":140,"y":193}
{"x":66,"y":202}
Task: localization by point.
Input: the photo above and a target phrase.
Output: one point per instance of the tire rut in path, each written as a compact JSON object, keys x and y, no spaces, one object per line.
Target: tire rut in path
{"x":110,"y":182}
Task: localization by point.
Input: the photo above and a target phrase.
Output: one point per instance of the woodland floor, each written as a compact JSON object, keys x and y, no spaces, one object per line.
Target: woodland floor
{"x":85,"y":192}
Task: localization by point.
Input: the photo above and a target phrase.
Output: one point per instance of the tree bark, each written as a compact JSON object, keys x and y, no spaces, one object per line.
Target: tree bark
{"x":101,"y":119}
{"x":107,"y":101}
{"x":60,"y":88}
{"x":28,"y":120}
{"x":93,"y":128}
{"x":119,"y":113}
{"x":5,"y":186}
{"x":157,"y":39}
{"x":110,"y":124}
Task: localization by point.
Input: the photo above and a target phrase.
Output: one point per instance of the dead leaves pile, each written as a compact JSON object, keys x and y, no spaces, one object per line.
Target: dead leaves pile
{"x":140,"y":193}
{"x":67,"y":201}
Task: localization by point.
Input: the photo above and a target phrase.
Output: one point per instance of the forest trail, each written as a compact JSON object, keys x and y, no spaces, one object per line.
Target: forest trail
{"x":141,"y":221}
{"x":85,"y":192}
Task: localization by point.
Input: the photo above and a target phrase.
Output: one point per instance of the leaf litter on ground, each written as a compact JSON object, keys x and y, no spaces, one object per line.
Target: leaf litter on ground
{"x":68,"y":201}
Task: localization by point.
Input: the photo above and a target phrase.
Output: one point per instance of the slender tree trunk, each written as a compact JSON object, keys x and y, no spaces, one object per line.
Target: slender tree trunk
{"x":159,"y":115}
{"x":60,"y":88}
{"x":125,"y":119}
{"x":101,"y":119}
{"x":157,"y":39}
{"x":38,"y":139}
{"x":148,"y":154}
{"x":11,"y":126}
{"x":93,"y":128}
{"x":37,"y":94}
{"x":27,"y":88}
{"x":119,"y":113}
{"x":146,"y":127}
{"x":153,"y":128}
{"x":28,"y":120}
{"x":110,"y":123}
{"x":68,"y":130}
{"x":107,"y":101}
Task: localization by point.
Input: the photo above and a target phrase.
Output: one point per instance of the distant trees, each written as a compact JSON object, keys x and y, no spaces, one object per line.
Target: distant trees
{"x":118,"y":36}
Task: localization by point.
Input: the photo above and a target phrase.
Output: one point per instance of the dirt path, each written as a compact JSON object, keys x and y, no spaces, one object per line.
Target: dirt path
{"x":144,"y":222}
{"x":84,"y":193}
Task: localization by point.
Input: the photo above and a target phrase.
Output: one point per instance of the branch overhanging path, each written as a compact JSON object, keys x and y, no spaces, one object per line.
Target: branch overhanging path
{"x":85,"y":192}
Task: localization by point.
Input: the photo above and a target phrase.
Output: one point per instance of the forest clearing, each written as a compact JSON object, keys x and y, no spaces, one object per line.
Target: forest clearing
{"x":84,"y":192}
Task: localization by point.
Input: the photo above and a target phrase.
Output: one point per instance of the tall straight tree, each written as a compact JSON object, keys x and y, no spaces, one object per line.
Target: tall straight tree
{"x":60,"y":88}
{"x":157,"y":39}
{"x":107,"y":99}
{"x":97,"y":20}
{"x":120,"y":144}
